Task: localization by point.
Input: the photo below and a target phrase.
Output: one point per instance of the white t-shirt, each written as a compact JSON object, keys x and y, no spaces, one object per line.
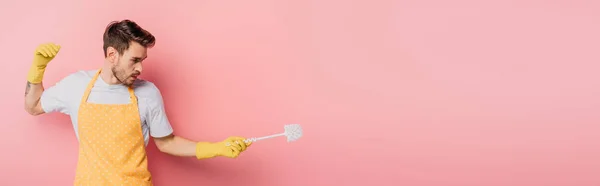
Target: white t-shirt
{"x":65,"y":97}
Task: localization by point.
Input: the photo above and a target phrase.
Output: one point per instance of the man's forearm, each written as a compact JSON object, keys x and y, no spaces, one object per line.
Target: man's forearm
{"x":177,"y":146}
{"x":33,"y":93}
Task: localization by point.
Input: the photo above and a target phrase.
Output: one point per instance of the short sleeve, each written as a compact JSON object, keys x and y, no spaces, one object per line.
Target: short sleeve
{"x":158,"y":121}
{"x":55,"y":97}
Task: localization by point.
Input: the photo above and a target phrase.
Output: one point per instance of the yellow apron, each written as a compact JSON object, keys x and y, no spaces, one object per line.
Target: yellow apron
{"x":111,"y":144}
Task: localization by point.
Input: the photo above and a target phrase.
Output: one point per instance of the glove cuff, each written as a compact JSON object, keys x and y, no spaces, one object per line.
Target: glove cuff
{"x":36,"y":74}
{"x":205,"y":150}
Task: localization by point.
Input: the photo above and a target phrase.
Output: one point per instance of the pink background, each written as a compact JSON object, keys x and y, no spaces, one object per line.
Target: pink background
{"x":418,"y":93}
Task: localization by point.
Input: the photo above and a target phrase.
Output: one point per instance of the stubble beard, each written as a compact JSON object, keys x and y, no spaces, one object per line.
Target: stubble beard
{"x":120,"y":75}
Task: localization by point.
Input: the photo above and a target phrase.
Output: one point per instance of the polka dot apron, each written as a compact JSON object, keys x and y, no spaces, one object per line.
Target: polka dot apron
{"x":111,"y":145}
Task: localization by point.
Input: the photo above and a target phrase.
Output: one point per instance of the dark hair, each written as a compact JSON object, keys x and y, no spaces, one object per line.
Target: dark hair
{"x":119,"y":34}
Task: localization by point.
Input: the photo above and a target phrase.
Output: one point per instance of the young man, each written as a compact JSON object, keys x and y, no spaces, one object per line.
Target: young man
{"x":114,"y":113}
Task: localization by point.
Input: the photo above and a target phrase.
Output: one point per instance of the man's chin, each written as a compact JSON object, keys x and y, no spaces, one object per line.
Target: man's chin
{"x":129,"y":82}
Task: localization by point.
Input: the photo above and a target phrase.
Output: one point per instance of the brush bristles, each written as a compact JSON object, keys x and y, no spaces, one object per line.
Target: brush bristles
{"x":293,"y":132}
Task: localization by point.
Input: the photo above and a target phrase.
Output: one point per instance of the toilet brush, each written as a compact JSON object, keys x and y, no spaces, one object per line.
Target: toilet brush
{"x":292,"y":132}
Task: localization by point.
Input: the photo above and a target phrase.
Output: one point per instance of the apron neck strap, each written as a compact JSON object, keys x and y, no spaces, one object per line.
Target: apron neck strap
{"x":88,"y":90}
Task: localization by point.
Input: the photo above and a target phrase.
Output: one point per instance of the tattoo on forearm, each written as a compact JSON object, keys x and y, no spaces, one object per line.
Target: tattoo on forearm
{"x":27,"y":88}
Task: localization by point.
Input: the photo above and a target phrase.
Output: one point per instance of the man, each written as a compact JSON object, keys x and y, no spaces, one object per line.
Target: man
{"x":113,"y":112}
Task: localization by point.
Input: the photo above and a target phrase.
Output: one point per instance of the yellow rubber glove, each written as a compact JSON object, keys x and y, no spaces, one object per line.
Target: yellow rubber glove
{"x":231,"y":148}
{"x":43,"y":54}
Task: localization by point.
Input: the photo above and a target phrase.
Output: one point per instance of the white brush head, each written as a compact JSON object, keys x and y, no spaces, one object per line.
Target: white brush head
{"x":293,"y":132}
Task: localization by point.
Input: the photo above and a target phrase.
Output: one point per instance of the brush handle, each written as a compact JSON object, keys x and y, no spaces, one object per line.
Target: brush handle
{"x":261,"y":138}
{"x":265,"y":137}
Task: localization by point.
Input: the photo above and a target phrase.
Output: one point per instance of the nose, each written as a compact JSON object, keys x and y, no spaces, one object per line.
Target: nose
{"x":138,"y":68}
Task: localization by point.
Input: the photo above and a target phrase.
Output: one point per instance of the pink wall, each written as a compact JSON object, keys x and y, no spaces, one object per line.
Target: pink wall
{"x":419,"y":93}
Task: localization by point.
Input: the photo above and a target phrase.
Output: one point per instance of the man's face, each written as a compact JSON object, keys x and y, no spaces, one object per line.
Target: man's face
{"x":129,"y":64}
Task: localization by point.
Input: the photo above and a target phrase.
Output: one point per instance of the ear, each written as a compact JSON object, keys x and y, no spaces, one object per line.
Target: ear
{"x":112,"y":54}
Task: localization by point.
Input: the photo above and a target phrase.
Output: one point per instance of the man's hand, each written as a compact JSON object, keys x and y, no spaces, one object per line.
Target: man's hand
{"x":43,"y":54}
{"x":230,"y":147}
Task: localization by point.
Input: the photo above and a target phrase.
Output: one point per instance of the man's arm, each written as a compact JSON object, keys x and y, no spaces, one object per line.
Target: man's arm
{"x":33,"y":93}
{"x":43,"y":54}
{"x":179,"y":146}
{"x":167,"y":142}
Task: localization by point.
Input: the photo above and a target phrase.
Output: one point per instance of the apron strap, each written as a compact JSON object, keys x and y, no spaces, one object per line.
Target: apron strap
{"x":86,"y":94}
{"x":132,"y":95}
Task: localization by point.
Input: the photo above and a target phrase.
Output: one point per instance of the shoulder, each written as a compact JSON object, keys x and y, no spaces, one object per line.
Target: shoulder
{"x":82,"y":74}
{"x":149,"y":95}
{"x":146,"y":89}
{"x":80,"y":77}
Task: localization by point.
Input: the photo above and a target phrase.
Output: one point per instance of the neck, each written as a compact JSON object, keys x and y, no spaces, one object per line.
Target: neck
{"x":108,"y":76}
